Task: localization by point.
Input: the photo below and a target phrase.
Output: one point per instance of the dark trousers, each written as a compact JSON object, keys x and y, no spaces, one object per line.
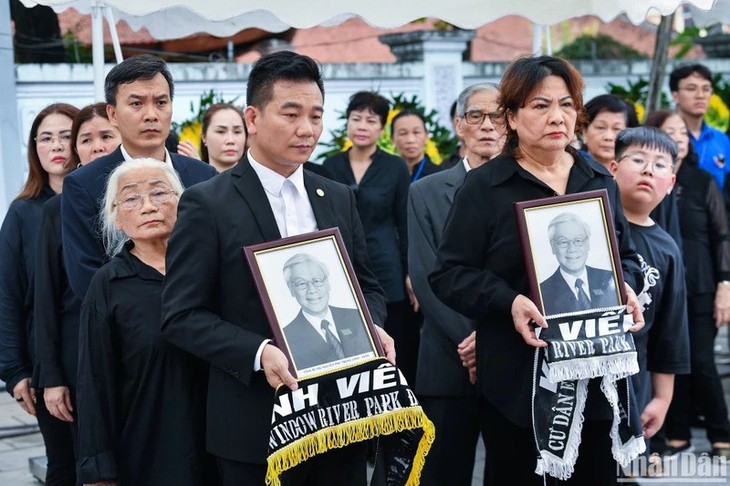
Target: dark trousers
{"x":703,"y":386}
{"x":451,"y":458}
{"x":337,"y":466}
{"x":59,"y":438}
{"x":512,"y":454}
{"x":404,"y":326}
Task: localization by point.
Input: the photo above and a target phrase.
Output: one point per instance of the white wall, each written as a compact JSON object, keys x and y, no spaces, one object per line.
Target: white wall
{"x":40,"y":85}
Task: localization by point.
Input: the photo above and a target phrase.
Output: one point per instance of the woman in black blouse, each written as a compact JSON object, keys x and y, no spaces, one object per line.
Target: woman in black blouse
{"x":380,"y":182}
{"x":481,"y":271}
{"x":706,"y":252}
{"x":56,"y":308}
{"x":49,"y":150}
{"x":141,"y":401}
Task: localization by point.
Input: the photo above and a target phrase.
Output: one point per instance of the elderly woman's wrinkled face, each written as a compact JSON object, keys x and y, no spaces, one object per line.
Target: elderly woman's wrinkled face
{"x":546,"y":123}
{"x":145,"y":205}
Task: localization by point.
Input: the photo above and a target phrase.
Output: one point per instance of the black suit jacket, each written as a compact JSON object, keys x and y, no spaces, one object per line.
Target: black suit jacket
{"x":210,"y":304}
{"x":309,"y":349}
{"x":558,"y":297}
{"x":440,"y":372}
{"x":83,"y":189}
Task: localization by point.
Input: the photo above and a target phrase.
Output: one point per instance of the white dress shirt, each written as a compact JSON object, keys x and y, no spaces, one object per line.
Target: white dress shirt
{"x":316,"y":323}
{"x":292,"y":210}
{"x":125,"y":154}
{"x":570,"y":279}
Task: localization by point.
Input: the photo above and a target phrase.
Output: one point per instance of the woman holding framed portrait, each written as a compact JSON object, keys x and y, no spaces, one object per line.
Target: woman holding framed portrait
{"x":481,"y":272}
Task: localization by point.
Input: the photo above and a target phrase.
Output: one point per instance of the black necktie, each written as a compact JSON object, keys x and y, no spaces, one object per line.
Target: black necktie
{"x":583,"y":301}
{"x":333,"y":343}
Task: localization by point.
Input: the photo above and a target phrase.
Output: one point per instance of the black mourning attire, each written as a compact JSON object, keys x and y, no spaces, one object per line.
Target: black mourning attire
{"x":141,"y":400}
{"x":706,"y":251}
{"x":479,"y":274}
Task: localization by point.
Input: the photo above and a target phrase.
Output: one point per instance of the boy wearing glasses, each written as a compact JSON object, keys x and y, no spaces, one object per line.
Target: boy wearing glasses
{"x":644,"y":172}
{"x":691,"y":87}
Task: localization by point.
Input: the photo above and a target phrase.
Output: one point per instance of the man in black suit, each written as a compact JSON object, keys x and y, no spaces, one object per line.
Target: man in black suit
{"x":210,"y":304}
{"x":138,"y":93}
{"x":320,"y":333}
{"x":575,"y":286}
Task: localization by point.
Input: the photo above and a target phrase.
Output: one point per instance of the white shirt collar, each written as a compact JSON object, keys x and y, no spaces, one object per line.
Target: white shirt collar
{"x":570,"y":279}
{"x":466,"y":164}
{"x":273,"y":181}
{"x":316,"y":322}
{"x":125,"y":154}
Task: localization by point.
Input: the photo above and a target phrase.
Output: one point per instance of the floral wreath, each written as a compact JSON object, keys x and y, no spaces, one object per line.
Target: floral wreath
{"x":441,"y":142}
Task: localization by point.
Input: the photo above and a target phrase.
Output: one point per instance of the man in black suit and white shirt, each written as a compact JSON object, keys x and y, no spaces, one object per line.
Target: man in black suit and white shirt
{"x":210,"y":304}
{"x":575,"y":286}
{"x":138,"y":94}
{"x":320,"y":333}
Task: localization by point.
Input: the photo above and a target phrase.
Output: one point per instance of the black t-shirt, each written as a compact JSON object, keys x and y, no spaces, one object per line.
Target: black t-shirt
{"x":662,"y":344}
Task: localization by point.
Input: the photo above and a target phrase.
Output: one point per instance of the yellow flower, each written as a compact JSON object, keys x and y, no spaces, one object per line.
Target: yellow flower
{"x":391,"y":114}
{"x":640,"y":111}
{"x":346,"y":146}
{"x":433,"y":152}
{"x":717,"y":114}
{"x":192,"y":133}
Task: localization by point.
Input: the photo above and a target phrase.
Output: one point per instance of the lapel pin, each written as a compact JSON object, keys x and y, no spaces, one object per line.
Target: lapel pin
{"x":320,"y":192}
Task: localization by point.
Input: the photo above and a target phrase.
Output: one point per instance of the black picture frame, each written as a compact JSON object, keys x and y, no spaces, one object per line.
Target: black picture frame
{"x":286,"y":302}
{"x":548,"y":277}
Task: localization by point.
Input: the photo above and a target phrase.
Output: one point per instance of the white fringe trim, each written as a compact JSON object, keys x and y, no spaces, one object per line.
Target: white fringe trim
{"x":617,"y":365}
{"x":549,"y":463}
{"x":623,"y":453}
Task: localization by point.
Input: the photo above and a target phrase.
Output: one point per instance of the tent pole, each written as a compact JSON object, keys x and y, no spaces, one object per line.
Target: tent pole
{"x":97,"y":50}
{"x":115,"y":35}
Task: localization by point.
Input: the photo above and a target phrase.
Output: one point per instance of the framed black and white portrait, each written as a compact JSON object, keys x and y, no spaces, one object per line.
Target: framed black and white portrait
{"x":313,"y":302}
{"x":571,"y":253}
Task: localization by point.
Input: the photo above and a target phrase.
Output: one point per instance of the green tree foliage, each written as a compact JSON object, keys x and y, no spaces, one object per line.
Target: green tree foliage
{"x":598,"y":47}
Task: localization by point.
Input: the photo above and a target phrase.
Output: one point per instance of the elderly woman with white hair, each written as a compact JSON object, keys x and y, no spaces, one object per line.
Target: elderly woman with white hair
{"x":140,"y":400}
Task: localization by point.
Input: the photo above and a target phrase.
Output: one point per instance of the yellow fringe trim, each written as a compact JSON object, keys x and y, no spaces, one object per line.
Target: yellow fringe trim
{"x":355,"y":431}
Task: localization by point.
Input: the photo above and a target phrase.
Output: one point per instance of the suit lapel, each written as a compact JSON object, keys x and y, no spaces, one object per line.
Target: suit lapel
{"x":179,"y":165}
{"x":454,"y":181}
{"x":247,"y":183}
{"x":319,"y":199}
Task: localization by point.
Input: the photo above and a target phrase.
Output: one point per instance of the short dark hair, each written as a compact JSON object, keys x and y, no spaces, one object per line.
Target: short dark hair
{"x":684,"y":71}
{"x":605,"y":102}
{"x":403,"y":113}
{"x":142,"y":67}
{"x":367,"y":100}
{"x":647,"y":137}
{"x":277,"y":66}
{"x":452,"y":110}
{"x":523,"y":76}
{"x":86,"y":113}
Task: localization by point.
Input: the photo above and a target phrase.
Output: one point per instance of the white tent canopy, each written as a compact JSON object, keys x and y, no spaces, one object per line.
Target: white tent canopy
{"x":167,"y":19}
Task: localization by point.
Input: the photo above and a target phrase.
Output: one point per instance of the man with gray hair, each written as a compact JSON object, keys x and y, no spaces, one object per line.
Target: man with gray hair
{"x":575,"y":286}
{"x":320,"y":333}
{"x":446,"y":355}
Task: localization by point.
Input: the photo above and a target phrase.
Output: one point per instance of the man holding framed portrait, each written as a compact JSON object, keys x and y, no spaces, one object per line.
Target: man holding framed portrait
{"x":210,"y":302}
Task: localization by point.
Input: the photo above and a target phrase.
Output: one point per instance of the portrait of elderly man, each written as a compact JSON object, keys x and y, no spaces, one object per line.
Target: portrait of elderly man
{"x":320,"y":333}
{"x":575,"y":286}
